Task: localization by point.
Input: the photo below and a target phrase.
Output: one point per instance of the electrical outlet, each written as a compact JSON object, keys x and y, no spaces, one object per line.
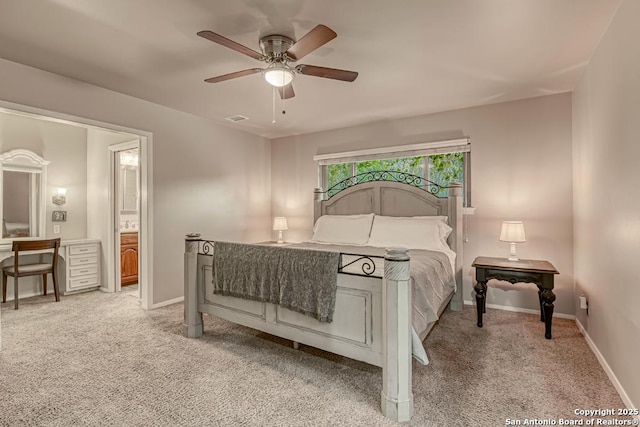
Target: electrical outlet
{"x":583,"y":302}
{"x":56,"y":229}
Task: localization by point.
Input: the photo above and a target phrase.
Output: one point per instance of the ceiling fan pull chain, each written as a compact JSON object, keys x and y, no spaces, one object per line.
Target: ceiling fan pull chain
{"x":283,"y":91}
{"x":273,"y":109}
{"x":283,"y":99}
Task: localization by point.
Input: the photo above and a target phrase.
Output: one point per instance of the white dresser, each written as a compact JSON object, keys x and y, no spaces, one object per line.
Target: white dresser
{"x":82,"y":266}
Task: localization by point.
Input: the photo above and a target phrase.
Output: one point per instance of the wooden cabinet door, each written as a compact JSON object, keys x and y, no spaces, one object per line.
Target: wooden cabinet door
{"x":128,"y":258}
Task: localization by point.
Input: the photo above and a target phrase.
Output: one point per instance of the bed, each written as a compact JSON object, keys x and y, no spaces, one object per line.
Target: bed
{"x":373,"y":317}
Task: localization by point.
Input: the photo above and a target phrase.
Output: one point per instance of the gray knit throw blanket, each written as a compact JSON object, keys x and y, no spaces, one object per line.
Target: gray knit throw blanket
{"x":300,"y":280}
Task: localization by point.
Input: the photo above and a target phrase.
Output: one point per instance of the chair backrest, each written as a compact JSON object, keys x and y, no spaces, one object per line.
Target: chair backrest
{"x":35,"y":245}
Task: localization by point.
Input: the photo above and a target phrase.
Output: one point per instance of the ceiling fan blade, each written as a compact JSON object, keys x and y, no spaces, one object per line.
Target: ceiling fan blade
{"x":233,"y":75}
{"x":286,"y":92}
{"x":315,"y":38}
{"x":217,"y":38}
{"x":328,"y":73}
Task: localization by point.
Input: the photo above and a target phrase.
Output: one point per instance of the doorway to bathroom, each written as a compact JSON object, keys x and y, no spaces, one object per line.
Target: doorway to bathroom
{"x":126,"y":209}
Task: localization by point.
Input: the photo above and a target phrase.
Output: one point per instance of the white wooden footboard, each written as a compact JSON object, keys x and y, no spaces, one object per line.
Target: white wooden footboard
{"x":372,"y":319}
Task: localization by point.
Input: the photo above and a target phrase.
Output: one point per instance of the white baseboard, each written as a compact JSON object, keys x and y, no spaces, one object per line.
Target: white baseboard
{"x":169,"y":302}
{"x":522,"y":310}
{"x":607,"y":369}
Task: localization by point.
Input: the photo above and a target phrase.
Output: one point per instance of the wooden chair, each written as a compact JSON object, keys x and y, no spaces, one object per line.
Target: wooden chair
{"x":35,"y":269}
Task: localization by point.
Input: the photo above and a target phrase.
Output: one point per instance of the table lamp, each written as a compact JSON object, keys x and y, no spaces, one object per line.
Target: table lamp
{"x":512,"y":232}
{"x":279,"y":225}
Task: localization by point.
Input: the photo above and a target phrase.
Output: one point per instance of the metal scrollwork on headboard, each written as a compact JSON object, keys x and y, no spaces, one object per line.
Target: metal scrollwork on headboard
{"x":392,"y":176}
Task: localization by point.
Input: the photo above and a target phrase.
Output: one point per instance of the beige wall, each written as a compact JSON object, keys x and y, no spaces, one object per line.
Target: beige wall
{"x":207,"y":178}
{"x":606,"y":112}
{"x":65,"y":147}
{"x":521,"y":169}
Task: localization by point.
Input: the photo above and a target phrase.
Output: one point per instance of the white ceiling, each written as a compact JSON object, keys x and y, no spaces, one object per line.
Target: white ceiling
{"x":414,"y":56}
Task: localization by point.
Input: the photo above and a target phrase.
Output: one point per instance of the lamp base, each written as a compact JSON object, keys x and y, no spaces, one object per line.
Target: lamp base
{"x":280,"y":241}
{"x":512,"y":255}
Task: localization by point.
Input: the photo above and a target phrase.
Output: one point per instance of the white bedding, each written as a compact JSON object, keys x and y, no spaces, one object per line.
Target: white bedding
{"x":429,"y":295}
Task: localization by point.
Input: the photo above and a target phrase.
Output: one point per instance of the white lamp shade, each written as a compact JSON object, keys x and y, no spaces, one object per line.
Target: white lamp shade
{"x":280,"y":223}
{"x":61,"y":191}
{"x":513,"y":232}
{"x":278,"y":77}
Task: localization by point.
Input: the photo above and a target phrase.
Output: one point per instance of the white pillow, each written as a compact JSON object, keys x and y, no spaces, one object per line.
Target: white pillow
{"x":409,"y":232}
{"x":445,"y":229}
{"x":343,"y":229}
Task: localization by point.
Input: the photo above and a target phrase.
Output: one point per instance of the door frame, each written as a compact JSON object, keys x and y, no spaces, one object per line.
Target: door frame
{"x":145,"y":230}
{"x":114,"y":217}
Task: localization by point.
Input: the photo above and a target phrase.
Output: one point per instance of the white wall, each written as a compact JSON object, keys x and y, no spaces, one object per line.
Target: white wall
{"x":521,"y":169}
{"x":207,"y":178}
{"x":606,"y":112}
{"x":65,"y":147}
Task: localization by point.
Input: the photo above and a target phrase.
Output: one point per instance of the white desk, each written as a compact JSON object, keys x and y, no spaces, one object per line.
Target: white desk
{"x":82,"y":263}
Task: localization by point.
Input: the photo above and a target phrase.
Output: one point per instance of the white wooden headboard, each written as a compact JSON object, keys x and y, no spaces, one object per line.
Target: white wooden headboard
{"x":382,"y":198}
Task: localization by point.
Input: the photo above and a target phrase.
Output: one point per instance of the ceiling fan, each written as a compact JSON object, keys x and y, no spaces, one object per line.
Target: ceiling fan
{"x":279,"y":52}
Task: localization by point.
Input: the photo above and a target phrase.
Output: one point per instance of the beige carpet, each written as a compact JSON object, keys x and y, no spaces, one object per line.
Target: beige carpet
{"x":98,"y":359}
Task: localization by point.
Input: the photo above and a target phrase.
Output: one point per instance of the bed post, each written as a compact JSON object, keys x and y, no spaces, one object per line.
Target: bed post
{"x":397,"y":395}
{"x":318,"y":197}
{"x":455,"y":211}
{"x":192,"y":317}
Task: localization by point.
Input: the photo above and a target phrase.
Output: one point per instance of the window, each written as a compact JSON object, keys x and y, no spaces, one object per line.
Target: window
{"x":440,"y":163}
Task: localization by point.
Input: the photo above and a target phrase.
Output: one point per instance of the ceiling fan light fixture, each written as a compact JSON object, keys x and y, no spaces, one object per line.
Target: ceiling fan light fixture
{"x":278,"y":76}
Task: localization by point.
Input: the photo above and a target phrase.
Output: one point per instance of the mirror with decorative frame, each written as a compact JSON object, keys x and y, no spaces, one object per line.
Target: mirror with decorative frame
{"x":23,"y":180}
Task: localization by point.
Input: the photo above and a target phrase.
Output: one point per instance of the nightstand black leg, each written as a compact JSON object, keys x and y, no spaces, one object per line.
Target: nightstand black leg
{"x":484,"y":303}
{"x":548,"y":297}
{"x":481,"y":290}
{"x":541,"y":303}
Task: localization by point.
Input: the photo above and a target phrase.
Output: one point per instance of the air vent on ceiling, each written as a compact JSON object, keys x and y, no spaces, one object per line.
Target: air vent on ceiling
{"x":237,"y":118}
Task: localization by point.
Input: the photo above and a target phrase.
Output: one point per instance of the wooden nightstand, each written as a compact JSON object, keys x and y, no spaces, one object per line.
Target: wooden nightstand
{"x":540,"y":273}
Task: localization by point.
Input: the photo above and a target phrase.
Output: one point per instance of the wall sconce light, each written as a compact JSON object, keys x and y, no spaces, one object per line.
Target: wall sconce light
{"x":60,"y":197}
{"x":279,"y":225}
{"x":512,"y":232}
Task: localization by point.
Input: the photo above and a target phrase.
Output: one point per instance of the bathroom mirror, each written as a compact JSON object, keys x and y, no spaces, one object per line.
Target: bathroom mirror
{"x":22,"y":202}
{"x":129,"y":193}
